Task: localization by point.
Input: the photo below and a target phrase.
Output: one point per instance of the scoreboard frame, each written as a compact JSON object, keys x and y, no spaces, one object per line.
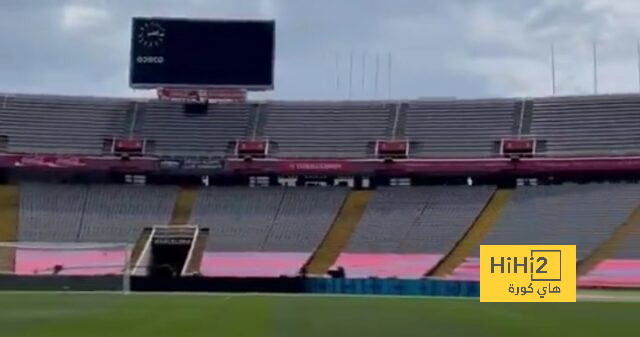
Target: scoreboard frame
{"x":139,"y":85}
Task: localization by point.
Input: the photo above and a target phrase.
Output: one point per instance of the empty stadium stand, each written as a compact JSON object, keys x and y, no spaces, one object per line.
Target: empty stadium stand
{"x":96,"y":213}
{"x":263,"y":231}
{"x":59,"y":124}
{"x":621,"y":268}
{"x":570,"y":214}
{"x":389,"y":232}
{"x":482,"y":224}
{"x":584,"y":125}
{"x":580,"y":125}
{"x":51,"y":212}
{"x":327,"y":130}
{"x":56,"y":213}
{"x":119,"y":213}
{"x":406,"y":230}
{"x":462,"y":128}
{"x":175,"y":133}
{"x":338,"y":235}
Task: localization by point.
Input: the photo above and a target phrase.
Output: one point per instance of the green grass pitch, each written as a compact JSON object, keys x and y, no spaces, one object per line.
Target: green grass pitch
{"x":102,"y":315}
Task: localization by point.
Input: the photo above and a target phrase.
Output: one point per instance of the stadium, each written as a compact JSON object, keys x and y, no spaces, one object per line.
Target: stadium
{"x":204,"y":212}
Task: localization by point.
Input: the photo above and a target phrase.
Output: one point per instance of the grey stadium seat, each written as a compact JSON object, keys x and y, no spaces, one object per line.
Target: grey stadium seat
{"x":245,"y":219}
{"x":175,"y":133}
{"x":119,"y":213}
{"x":61,"y":125}
{"x":420,"y":220}
{"x":467,"y":128}
{"x":326,"y":129}
{"x":97,"y":213}
{"x":569,"y":214}
{"x":588,"y":124}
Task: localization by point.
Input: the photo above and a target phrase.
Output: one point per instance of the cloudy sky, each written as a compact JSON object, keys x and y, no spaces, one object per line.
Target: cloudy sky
{"x":438,"y":48}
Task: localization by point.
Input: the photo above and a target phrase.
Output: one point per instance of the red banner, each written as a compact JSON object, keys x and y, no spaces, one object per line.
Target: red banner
{"x":49,"y":161}
{"x":341,"y":167}
{"x":71,"y":163}
{"x":392,"y":146}
{"x":436,"y":167}
{"x":338,"y":167}
{"x":518,"y":146}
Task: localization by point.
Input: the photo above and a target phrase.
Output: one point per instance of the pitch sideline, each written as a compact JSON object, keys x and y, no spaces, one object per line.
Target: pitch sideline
{"x":604,"y":296}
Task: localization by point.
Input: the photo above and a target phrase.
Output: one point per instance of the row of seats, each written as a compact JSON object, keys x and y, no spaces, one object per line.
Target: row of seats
{"x":240,"y":219}
{"x":570,"y":214}
{"x":417,"y":220}
{"x":176,"y":133}
{"x":266,"y":219}
{"x":403,"y":232}
{"x":57,"y":124}
{"x":594,"y":125}
{"x":587,"y":125}
{"x":95,"y":213}
{"x":326,"y":130}
{"x":465,"y":128}
{"x":263,"y":231}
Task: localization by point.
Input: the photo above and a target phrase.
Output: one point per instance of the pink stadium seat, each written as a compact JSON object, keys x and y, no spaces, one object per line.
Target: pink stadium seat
{"x":94,"y":262}
{"x":613,"y":273}
{"x":469,"y":270}
{"x":387,"y":265}
{"x":256,"y":264}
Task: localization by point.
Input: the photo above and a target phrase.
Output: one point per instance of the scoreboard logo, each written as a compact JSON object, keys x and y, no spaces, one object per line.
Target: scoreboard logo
{"x":150,"y":59}
{"x":527,"y":273}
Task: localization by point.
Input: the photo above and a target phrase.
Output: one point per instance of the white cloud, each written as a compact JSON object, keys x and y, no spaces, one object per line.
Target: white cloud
{"x":81,"y":16}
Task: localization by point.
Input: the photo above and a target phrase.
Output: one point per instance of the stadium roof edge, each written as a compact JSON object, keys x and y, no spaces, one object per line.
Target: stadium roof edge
{"x":4,"y":95}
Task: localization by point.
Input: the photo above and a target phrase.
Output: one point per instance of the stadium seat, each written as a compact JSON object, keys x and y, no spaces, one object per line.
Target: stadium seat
{"x":326,"y":130}
{"x":208,"y":134}
{"x":588,"y":125}
{"x":419,"y":223}
{"x":249,"y":222}
{"x":61,"y":125}
{"x":459,"y":128}
{"x":568,"y":214}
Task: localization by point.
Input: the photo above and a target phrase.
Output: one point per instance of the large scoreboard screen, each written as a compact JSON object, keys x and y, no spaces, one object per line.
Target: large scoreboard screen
{"x":168,"y":52}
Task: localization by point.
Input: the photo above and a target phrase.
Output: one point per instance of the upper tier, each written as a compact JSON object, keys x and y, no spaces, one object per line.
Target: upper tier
{"x":471,"y":128}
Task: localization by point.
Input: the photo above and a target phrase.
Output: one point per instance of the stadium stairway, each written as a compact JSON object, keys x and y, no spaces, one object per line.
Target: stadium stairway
{"x":339,"y":233}
{"x":474,"y":235}
{"x":181,"y":216}
{"x":138,"y":247}
{"x":183,"y":206}
{"x":608,"y":247}
{"x":195,"y":260}
{"x":9,"y":210}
